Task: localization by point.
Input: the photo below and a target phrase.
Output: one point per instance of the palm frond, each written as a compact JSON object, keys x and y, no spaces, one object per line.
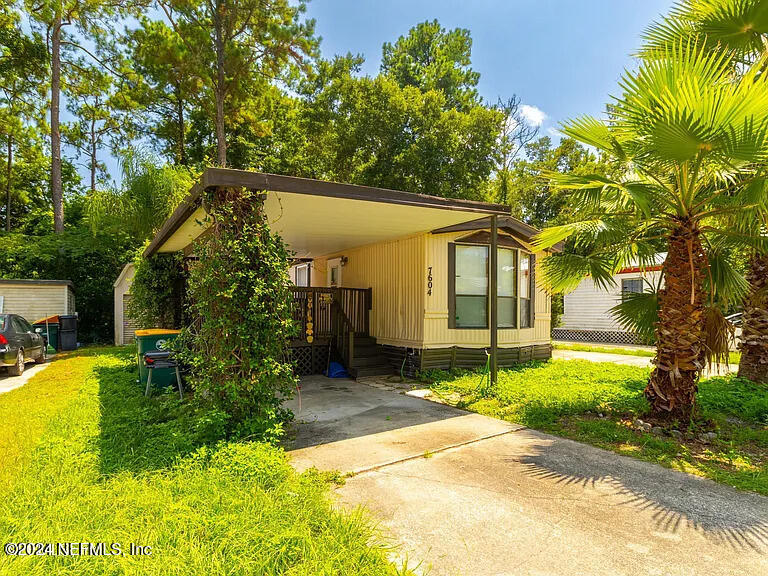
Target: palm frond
{"x":724,"y":282}
{"x":718,"y":335}
{"x":733,"y":25}
{"x":564,"y":272}
{"x":589,"y":130}
{"x":556,"y":234}
{"x":638,"y":313}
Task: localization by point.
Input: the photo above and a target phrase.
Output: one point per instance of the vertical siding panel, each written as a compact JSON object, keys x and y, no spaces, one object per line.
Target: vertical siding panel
{"x":393,"y":271}
{"x":588,"y":306}
{"x":436,"y":332}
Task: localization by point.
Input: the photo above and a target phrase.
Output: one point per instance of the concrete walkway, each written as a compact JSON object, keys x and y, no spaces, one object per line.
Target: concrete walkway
{"x":630,"y":360}
{"x":352,"y":427}
{"x":484,"y":500}
{"x":8,"y":383}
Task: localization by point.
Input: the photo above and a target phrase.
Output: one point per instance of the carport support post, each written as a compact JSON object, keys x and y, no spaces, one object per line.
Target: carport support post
{"x":494,"y":299}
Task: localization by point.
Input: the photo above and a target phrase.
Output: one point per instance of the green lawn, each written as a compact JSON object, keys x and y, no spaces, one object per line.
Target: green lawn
{"x":598,"y":403}
{"x":603,"y":349}
{"x":86,"y":458}
{"x":734,"y":357}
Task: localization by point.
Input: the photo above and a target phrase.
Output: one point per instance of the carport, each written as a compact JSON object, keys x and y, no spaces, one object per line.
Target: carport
{"x":317,"y":218}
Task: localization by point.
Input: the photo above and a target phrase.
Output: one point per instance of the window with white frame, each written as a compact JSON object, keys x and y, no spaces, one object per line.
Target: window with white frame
{"x":631,"y":286}
{"x":302,"y":275}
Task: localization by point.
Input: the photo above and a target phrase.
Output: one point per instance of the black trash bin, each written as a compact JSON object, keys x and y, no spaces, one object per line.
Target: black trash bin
{"x":68,"y":332}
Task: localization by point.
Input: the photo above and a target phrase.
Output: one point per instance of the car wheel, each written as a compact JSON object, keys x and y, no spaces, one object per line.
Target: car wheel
{"x":42,"y":357}
{"x":18,"y":368}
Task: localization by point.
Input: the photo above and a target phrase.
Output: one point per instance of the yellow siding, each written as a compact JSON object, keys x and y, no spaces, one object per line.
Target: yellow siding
{"x":436,"y":331}
{"x":395,"y":272}
{"x":34,"y":302}
{"x":403,"y":312}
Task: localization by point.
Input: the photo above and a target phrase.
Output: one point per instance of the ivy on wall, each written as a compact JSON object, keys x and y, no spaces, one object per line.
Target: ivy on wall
{"x":158,"y":291}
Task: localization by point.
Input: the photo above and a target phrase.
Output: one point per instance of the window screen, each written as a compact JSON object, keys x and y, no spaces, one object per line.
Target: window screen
{"x":631,"y":286}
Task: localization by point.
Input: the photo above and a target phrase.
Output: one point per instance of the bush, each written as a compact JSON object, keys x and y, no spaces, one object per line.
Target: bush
{"x":158,"y":291}
{"x":241,"y":310}
{"x":91,"y":261}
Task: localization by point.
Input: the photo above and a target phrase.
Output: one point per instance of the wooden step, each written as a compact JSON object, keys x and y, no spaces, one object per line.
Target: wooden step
{"x":364,"y":341}
{"x":377,"y":370}
{"x":366,"y":351}
{"x":376,"y":360}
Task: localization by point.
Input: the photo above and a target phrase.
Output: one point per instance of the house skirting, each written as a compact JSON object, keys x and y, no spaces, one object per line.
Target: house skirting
{"x":414,"y":360}
{"x":600,"y":336}
{"x":309,"y":358}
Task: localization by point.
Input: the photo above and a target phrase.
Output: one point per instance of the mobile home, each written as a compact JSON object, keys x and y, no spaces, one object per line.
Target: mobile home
{"x":389,"y":280}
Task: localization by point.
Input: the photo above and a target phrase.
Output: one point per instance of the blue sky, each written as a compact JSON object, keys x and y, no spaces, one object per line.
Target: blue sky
{"x":562,"y":57}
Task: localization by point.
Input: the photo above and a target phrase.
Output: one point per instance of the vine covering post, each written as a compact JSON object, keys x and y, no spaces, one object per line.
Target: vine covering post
{"x":241,"y":303}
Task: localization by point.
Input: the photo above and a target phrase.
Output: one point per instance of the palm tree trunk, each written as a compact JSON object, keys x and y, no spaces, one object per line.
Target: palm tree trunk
{"x":57,"y":195}
{"x":754,"y":326}
{"x":680,"y":335}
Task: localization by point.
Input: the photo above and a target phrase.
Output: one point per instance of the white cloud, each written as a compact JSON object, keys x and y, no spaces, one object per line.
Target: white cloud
{"x":533,"y":115}
{"x":554,"y":132}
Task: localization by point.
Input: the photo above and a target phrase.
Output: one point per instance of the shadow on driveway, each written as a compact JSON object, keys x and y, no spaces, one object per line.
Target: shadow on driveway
{"x":674,"y":499}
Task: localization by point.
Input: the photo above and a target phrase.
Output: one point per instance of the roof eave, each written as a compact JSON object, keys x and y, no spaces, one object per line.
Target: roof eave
{"x":222,"y":177}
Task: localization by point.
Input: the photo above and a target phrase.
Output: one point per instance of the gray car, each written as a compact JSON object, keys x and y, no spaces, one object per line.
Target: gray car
{"x":19,"y":344}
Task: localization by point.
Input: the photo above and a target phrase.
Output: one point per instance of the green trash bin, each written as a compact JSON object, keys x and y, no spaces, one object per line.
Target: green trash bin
{"x":154,"y":339}
{"x":50,"y":330}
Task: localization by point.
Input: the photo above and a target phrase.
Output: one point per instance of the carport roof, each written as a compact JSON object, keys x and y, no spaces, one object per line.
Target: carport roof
{"x":317,"y":218}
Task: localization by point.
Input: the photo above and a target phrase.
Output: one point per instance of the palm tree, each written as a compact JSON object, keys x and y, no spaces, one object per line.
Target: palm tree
{"x":691,"y":138}
{"x":148,"y":193}
{"x":740,"y":29}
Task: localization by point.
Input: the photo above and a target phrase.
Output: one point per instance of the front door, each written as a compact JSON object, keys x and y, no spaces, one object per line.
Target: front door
{"x":334,"y":272}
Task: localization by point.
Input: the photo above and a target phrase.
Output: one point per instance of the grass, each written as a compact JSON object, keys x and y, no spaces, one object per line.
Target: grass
{"x":597,"y":403}
{"x":86,"y":458}
{"x":734,"y":357}
{"x":604,"y":349}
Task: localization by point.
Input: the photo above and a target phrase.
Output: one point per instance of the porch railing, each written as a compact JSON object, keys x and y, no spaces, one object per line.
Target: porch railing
{"x":320,"y":304}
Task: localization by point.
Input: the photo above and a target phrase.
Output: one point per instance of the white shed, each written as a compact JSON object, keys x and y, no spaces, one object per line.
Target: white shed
{"x":37,"y":299}
{"x":587,"y":310}
{"x":124,"y":324}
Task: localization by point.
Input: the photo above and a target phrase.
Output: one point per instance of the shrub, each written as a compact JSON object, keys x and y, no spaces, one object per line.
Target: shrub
{"x":91,"y":261}
{"x":158,"y":291}
{"x":241,"y":310}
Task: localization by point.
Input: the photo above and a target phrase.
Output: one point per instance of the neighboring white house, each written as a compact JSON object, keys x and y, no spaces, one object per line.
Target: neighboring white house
{"x":37,"y":299}
{"x":124,"y":325}
{"x":587,"y":310}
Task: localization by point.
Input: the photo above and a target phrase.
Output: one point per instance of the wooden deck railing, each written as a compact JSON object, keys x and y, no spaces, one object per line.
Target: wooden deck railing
{"x":318,"y":303}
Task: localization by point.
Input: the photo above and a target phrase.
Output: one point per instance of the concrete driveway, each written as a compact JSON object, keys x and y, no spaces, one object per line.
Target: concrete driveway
{"x":8,"y":383}
{"x":466,"y":494}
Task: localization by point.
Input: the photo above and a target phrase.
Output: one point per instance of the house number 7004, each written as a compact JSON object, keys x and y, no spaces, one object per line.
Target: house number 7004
{"x":429,"y":281}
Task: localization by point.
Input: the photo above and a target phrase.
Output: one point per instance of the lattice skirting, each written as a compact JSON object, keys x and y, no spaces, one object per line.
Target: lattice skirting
{"x":309,"y":359}
{"x":602,"y":336}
